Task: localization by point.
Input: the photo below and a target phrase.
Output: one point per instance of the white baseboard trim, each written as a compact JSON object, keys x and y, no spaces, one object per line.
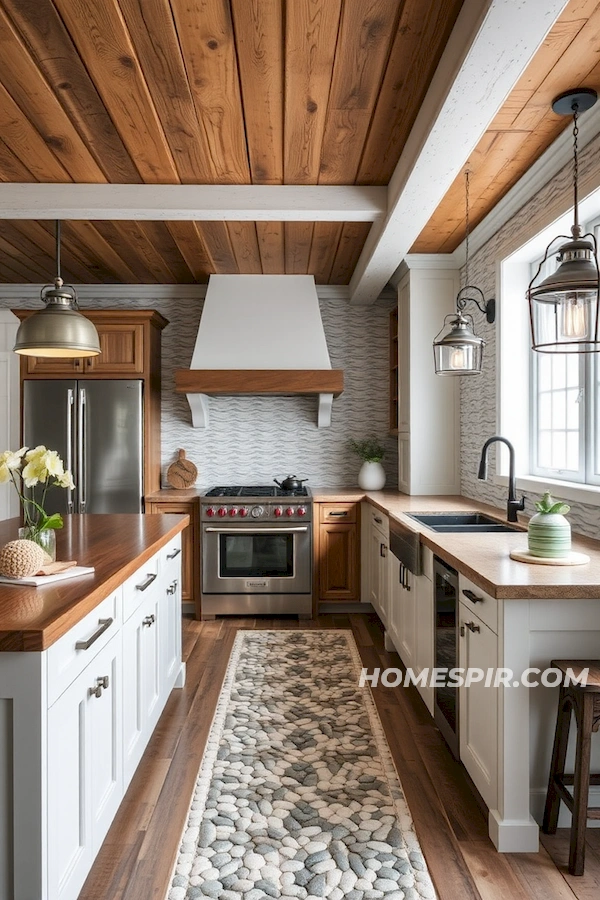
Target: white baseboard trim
{"x":513,"y":835}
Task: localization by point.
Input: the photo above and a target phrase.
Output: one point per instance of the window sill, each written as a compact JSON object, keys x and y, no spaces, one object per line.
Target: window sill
{"x":564,"y":490}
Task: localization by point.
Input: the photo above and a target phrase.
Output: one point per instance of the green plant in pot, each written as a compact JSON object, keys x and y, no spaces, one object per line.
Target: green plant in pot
{"x":371,"y":476}
{"x":548,"y":532}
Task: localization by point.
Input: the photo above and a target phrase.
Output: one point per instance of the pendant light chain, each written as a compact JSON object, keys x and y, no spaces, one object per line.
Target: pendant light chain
{"x":576,"y":227}
{"x":467,"y":227}
{"x":58,"y":275}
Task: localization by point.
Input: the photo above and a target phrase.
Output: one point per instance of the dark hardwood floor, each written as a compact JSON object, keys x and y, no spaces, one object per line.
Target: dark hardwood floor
{"x":136,"y":859}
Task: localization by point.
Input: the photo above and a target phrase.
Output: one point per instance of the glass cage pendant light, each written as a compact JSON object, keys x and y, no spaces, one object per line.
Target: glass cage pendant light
{"x":563,"y":307}
{"x":58,"y":330}
{"x":457,"y":350}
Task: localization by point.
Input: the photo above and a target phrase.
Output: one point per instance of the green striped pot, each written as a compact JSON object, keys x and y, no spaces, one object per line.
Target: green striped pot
{"x":549,"y":535}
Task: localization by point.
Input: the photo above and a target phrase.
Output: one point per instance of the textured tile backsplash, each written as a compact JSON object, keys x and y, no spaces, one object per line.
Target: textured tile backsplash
{"x":254,"y":439}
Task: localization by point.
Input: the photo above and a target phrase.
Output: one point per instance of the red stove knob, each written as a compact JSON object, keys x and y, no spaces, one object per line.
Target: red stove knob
{"x":210,"y":511}
{"x":233,"y":511}
{"x":289,"y":511}
{"x":243,"y":512}
{"x":278,"y":511}
{"x":301,"y":511}
{"x":222,"y":511}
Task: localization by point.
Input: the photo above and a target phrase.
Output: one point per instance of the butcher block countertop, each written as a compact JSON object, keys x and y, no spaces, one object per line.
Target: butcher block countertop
{"x":32,"y":618}
{"x":484,"y":558}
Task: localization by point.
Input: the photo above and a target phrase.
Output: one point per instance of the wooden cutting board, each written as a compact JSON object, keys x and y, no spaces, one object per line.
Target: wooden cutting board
{"x":182,"y":473}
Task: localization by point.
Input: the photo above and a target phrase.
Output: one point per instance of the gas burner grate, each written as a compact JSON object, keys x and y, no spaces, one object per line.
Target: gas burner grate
{"x":255,"y":490}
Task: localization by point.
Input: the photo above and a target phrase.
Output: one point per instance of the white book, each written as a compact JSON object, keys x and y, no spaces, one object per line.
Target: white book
{"x":41,"y":580}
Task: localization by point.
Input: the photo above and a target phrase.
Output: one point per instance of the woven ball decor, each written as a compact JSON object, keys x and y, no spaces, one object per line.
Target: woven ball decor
{"x":20,"y":559}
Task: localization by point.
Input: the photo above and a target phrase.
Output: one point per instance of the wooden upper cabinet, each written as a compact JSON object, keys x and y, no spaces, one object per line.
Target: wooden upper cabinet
{"x":53,"y":367}
{"x":122,"y":346}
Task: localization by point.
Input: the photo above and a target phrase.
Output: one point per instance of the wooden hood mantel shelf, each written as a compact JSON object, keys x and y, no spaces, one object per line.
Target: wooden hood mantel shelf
{"x":199,"y":384}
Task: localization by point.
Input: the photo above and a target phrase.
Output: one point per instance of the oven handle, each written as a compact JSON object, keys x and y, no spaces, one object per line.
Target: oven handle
{"x":256,"y":530}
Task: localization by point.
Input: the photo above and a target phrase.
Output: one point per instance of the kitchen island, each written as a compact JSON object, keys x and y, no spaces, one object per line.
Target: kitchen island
{"x":86,"y":667}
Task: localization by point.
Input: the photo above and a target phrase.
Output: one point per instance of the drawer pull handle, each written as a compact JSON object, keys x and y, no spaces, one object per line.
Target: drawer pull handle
{"x":472,"y":597}
{"x":462,"y":630}
{"x":338,"y":514}
{"x":149,"y":620}
{"x":473,"y":627}
{"x":85,"y":645}
{"x":101,"y":684}
{"x":378,"y":520}
{"x":146,"y":584}
{"x":174,"y":553}
{"x":382,"y":550}
{"x":172,"y":587}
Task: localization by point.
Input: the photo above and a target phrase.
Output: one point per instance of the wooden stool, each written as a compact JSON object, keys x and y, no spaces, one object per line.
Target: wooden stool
{"x":585,"y":704}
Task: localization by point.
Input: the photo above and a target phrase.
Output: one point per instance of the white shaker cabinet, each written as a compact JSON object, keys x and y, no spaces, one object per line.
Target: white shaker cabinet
{"x":375,"y":568}
{"x":428,"y":412}
{"x":85,"y":770}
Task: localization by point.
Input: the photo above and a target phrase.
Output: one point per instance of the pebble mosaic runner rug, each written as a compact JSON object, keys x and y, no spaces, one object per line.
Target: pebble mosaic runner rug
{"x":297,"y":794}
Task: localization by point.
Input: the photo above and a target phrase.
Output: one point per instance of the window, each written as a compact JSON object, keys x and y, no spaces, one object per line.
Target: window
{"x":565,"y":405}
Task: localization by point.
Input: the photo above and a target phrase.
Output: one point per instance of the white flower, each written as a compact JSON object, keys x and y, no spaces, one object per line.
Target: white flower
{"x":53,"y":463}
{"x":10,"y":461}
{"x":66,"y":481}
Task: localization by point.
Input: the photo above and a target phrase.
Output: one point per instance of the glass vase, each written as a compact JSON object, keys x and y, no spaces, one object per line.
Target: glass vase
{"x":46,"y":538}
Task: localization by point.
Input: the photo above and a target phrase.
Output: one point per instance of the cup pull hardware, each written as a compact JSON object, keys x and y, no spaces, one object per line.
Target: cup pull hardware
{"x":146,"y":584}
{"x":104,"y":625}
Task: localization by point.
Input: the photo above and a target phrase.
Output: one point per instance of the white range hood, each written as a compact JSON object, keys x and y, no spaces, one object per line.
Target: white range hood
{"x":269,"y":328}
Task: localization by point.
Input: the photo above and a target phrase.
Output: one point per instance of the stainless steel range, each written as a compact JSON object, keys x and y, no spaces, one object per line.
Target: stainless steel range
{"x":256,"y":551}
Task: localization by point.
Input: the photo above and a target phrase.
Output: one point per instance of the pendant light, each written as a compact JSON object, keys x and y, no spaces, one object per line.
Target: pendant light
{"x":58,"y":330}
{"x":457,"y":350}
{"x":563,"y":308}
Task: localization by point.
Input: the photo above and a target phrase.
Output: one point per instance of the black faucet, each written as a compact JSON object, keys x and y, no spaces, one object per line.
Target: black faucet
{"x":513,"y":506}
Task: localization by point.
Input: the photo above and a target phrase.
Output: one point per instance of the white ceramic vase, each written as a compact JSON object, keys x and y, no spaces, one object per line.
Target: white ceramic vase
{"x":549,"y":535}
{"x":371,"y":476}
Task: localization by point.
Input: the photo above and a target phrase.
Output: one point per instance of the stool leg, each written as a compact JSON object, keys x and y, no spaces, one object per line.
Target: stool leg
{"x":557,"y":766}
{"x":585,"y":719}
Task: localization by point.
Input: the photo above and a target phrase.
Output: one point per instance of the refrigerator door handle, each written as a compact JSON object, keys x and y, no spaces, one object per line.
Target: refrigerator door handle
{"x":70,"y":402}
{"x":80,"y":450}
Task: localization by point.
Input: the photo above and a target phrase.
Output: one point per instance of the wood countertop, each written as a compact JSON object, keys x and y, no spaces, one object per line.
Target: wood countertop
{"x":116,"y":545}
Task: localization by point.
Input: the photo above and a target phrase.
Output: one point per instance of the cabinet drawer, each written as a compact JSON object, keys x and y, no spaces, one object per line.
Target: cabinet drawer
{"x":344,"y":513}
{"x":479,"y":602}
{"x":380,"y":521}
{"x":170,"y":556}
{"x":140,"y":585}
{"x":65,"y":660}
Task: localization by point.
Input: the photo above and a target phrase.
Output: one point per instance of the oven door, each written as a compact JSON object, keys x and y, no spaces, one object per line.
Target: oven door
{"x":256,"y":560}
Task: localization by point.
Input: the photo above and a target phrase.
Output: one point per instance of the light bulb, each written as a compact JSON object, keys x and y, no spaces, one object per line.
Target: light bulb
{"x":458,"y":358}
{"x":575,"y":314}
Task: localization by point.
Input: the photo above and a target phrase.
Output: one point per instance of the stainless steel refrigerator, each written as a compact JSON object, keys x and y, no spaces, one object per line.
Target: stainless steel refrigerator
{"x":97,"y":427}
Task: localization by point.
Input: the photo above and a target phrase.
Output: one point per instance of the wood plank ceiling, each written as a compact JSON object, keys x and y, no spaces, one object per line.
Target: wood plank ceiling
{"x":212,"y":92}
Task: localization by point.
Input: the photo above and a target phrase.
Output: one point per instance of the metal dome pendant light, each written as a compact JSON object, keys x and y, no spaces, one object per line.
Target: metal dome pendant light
{"x":58,"y":330}
{"x":563,"y":308}
{"x":457,"y":350}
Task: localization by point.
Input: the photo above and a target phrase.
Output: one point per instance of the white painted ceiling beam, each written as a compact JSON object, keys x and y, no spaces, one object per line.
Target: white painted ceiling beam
{"x":207,"y":202}
{"x":489,"y":48}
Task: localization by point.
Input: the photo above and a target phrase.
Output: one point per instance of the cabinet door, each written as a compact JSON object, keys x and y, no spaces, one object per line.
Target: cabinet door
{"x":478,"y":706}
{"x":408,"y":620}
{"x":337,"y":562}
{"x":190,"y":550}
{"x":383,"y":581}
{"x":375,"y":543}
{"x":141,"y":680}
{"x":170,"y":638}
{"x":57,"y":366}
{"x":84,"y":771}
{"x":122,"y":350}
{"x":424,"y":620}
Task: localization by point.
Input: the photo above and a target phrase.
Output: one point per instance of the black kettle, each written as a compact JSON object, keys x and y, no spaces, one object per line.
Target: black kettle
{"x":291,"y":483}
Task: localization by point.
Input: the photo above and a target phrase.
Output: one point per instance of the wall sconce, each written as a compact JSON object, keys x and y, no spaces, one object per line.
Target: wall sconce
{"x":457,"y":350}
{"x":563,"y":308}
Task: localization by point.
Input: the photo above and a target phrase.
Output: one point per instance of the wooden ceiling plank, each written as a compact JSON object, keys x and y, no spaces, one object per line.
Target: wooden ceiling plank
{"x":245,"y":247}
{"x":311,"y":31}
{"x":133,"y":250}
{"x":105,"y":46}
{"x":326,"y":237}
{"x":27,"y":144}
{"x":271,"y":245}
{"x":217,"y":241}
{"x":207,"y":42}
{"x":367,"y":29}
{"x":103,"y":258}
{"x":352,"y":239}
{"x":159,"y":236}
{"x":423,"y":31}
{"x":258,"y":26}
{"x":24,"y":265}
{"x":298,"y":240}
{"x":56,"y":55}
{"x":38,"y":242}
{"x":192,"y":248}
{"x":11,"y":167}
{"x":153,"y":32}
{"x":31,"y":92}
